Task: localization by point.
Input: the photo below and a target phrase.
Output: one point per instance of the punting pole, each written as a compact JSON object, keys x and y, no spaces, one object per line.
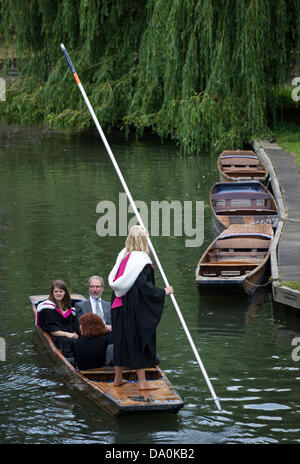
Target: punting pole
{"x":141,"y":223}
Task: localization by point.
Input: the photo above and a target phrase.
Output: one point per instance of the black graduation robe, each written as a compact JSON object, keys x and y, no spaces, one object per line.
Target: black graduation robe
{"x":134,"y":323}
{"x":51,"y":320}
{"x":90,"y":352}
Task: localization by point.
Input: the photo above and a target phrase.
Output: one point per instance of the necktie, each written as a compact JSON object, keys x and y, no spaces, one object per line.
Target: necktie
{"x":98,"y":309}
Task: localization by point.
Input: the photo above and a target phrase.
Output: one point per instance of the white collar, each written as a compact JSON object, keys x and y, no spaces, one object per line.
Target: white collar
{"x":135,"y":264}
{"x":95,"y":299}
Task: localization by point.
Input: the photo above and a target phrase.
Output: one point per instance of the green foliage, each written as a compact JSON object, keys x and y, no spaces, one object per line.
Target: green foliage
{"x":288,"y":137}
{"x":199,"y":72}
{"x":294,"y":285}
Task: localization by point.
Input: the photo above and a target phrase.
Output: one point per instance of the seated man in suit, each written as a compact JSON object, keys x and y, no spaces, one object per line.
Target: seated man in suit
{"x":95,"y":304}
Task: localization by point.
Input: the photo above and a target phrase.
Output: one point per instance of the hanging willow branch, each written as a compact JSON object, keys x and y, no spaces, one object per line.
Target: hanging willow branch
{"x":199,"y":72}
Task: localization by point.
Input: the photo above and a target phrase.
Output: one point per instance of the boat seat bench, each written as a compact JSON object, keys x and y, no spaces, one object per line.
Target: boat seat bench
{"x":237,"y":244}
{"x":243,"y":169}
{"x":246,"y":215}
{"x":225,"y":268}
{"x":109,"y":370}
{"x":240,"y":195}
{"x":108,"y":374}
{"x":232,"y":259}
{"x":237,"y":163}
{"x":233,"y":253}
{"x":231,"y":263}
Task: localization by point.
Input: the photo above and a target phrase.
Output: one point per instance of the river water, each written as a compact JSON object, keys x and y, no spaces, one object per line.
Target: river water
{"x":50,"y":188}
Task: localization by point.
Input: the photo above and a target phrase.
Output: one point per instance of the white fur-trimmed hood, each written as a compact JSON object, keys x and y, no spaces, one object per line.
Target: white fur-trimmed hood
{"x":135,"y":264}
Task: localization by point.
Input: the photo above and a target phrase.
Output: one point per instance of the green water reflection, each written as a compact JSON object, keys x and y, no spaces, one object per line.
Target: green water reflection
{"x":50,"y":188}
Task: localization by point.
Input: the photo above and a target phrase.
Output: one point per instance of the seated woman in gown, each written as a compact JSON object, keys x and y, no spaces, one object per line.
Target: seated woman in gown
{"x":56,"y":316}
{"x":90,"y":348}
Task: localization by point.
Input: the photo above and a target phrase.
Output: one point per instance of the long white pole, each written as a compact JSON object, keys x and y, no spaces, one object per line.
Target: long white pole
{"x":141,"y":223}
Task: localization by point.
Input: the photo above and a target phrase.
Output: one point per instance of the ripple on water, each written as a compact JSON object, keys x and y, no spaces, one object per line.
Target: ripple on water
{"x":266,"y":406}
{"x":237,"y":339}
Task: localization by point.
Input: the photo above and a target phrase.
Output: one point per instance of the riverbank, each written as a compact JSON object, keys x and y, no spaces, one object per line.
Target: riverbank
{"x":288,"y":137}
{"x":285,"y":255}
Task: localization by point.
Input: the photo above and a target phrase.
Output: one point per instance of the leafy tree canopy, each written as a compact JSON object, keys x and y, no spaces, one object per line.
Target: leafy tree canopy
{"x":200,"y":72}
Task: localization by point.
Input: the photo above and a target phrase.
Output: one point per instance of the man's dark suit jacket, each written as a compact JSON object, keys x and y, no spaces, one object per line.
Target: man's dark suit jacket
{"x":85,"y":307}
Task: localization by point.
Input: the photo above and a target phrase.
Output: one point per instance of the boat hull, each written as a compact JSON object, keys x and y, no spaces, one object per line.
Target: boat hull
{"x":97,"y":384}
{"x":246,"y":203}
{"x":237,"y":261}
{"x":221,"y":223}
{"x":243,"y":178}
{"x":245,"y":286}
{"x":247,"y":166}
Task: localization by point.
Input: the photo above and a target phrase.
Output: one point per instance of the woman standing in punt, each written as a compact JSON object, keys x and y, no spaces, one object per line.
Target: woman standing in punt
{"x":137,"y":306}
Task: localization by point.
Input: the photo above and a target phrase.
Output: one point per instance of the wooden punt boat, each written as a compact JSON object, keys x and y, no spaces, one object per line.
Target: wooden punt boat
{"x":237,"y":260}
{"x":97,"y":384}
{"x":242,"y":203}
{"x":241,"y":165}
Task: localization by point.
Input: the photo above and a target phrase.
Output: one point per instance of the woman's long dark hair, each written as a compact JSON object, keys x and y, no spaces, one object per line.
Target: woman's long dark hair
{"x":66,"y":302}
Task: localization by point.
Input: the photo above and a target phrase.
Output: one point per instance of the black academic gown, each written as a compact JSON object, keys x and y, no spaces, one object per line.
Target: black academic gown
{"x":51,"y":320}
{"x":90,"y":352}
{"x":134,"y":323}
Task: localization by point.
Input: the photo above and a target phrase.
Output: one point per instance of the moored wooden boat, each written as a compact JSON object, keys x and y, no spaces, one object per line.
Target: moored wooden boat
{"x":240,"y":165}
{"x":97,"y":384}
{"x":242,"y":203}
{"x":237,"y":260}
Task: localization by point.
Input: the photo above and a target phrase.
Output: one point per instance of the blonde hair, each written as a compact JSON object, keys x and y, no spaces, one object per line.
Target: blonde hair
{"x":137,"y":240}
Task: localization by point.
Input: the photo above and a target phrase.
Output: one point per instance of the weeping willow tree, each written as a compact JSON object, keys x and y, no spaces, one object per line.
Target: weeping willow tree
{"x":199,"y":72}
